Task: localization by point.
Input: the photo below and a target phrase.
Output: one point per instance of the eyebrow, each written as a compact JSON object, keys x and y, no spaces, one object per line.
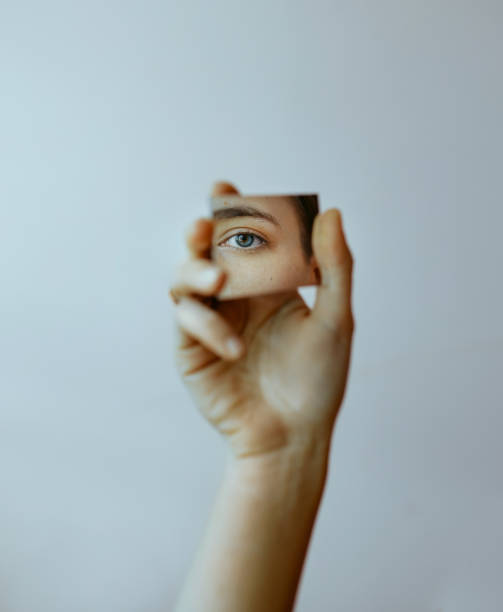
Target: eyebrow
{"x":243,"y":211}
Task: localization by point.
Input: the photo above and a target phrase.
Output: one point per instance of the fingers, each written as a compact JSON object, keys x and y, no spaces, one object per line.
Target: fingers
{"x":197,"y":276}
{"x":199,"y":234}
{"x":209,"y":328}
{"x":198,"y":238}
{"x":200,"y":276}
{"x":333,"y":300}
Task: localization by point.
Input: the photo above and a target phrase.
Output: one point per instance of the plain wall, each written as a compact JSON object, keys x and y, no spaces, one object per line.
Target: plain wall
{"x":115,"y":118}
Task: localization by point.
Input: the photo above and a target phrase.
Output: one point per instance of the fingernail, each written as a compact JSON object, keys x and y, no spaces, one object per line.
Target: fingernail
{"x":234,"y":346}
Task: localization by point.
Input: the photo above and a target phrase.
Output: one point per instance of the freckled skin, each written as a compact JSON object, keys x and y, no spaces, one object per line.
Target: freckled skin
{"x":280,"y":266}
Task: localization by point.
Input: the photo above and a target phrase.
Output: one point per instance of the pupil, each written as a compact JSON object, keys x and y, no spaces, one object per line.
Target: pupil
{"x":245,"y":239}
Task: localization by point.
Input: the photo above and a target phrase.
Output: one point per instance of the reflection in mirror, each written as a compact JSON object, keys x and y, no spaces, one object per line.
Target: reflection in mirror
{"x":263,"y":242}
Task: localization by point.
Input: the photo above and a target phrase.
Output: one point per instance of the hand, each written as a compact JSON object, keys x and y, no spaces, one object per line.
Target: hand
{"x":266,"y":372}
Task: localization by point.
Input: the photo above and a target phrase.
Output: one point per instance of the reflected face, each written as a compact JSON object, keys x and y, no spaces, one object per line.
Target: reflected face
{"x":257,"y":240}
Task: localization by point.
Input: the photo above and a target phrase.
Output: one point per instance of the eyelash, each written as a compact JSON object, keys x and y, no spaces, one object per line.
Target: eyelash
{"x":263,"y":242}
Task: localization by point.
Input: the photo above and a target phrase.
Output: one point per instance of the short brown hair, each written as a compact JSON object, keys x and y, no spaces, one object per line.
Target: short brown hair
{"x":306,"y":207}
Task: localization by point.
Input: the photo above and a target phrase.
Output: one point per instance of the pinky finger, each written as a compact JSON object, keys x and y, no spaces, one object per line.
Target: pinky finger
{"x":209,"y":328}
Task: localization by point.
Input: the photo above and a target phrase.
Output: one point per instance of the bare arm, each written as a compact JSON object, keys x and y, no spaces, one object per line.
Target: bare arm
{"x":275,"y":401}
{"x":257,"y":536}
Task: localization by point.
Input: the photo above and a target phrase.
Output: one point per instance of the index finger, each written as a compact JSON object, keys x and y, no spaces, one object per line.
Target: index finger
{"x":199,"y":235}
{"x":198,"y":238}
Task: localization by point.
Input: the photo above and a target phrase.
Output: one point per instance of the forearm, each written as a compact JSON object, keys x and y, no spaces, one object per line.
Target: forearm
{"x":256,"y":539}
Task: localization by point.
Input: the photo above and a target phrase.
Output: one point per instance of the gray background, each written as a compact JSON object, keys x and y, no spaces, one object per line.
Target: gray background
{"x":115,"y":118}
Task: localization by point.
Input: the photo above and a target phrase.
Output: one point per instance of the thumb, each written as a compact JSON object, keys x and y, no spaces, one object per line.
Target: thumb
{"x":332,"y":308}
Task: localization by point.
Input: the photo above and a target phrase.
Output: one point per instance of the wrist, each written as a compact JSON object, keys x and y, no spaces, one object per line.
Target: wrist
{"x":301,"y":465}
{"x":259,"y":530}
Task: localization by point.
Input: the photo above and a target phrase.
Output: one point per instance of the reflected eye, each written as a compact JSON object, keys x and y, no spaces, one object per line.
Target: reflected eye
{"x":244,"y":240}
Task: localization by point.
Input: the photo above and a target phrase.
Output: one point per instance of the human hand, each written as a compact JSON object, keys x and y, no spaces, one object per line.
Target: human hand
{"x":267,"y":372}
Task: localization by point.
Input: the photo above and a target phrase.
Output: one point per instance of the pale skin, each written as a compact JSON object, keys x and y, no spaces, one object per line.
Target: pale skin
{"x":270,"y":375}
{"x":271,"y":259}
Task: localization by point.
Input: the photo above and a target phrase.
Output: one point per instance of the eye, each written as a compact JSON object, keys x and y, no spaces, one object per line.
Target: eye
{"x":244,"y":240}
